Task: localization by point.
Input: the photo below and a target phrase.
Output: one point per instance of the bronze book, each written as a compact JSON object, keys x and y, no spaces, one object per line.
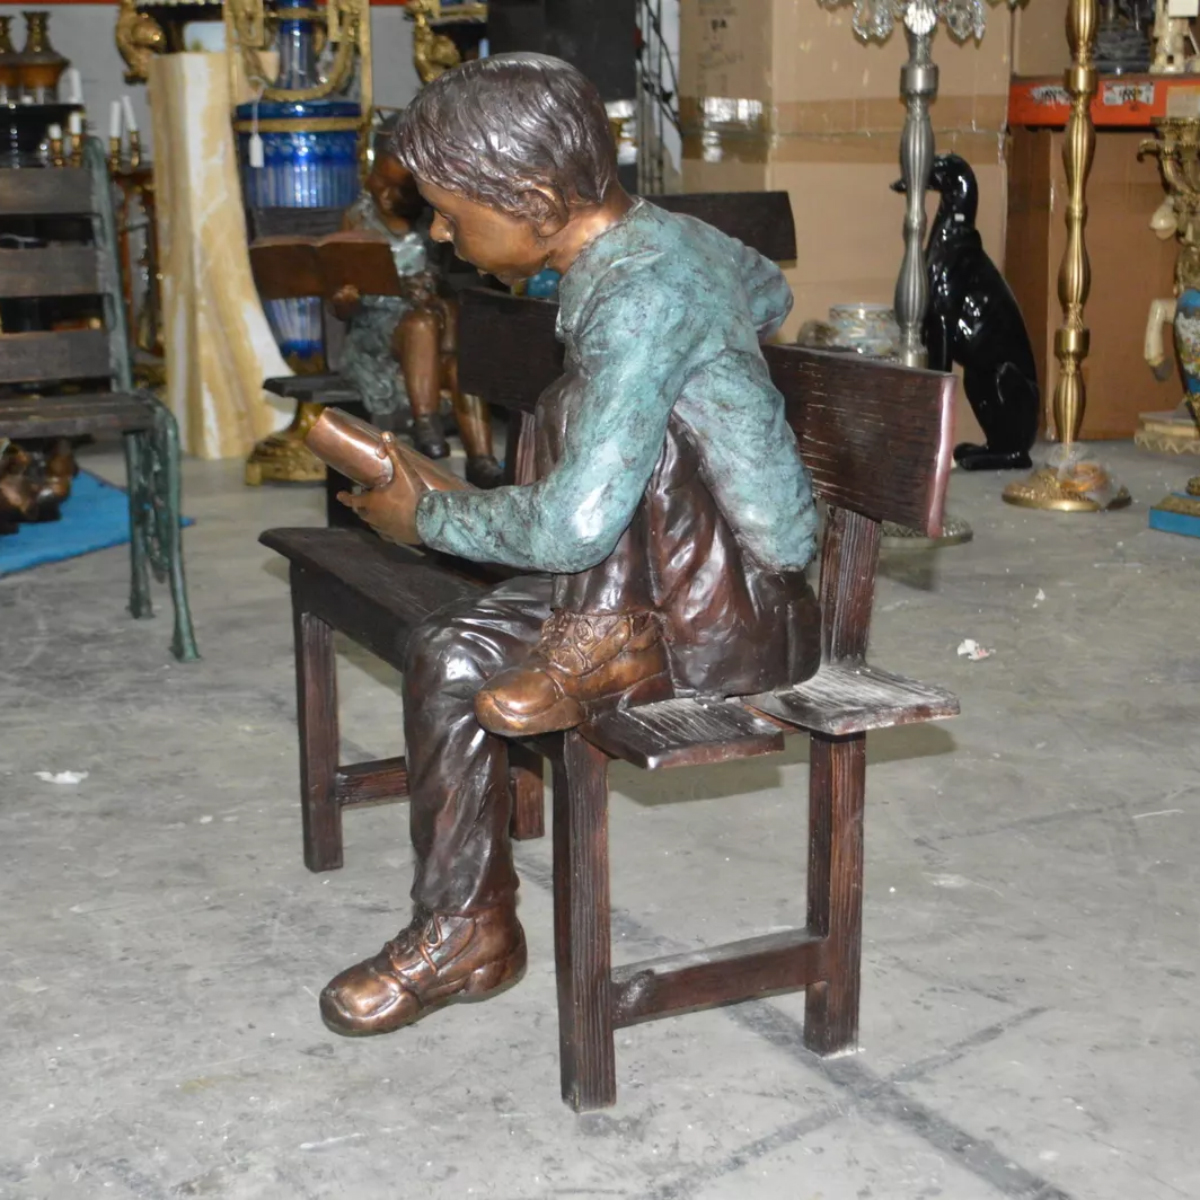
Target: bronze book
{"x":289,"y":266}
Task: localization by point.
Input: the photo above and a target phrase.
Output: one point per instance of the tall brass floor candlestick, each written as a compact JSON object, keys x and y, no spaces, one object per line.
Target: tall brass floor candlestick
{"x":1069,"y":483}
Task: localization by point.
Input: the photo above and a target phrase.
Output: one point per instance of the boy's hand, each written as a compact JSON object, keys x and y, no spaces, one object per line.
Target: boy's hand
{"x":391,"y":510}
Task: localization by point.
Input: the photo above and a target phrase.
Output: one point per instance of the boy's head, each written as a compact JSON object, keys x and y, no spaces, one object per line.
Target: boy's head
{"x":390,"y":182}
{"x":509,"y":150}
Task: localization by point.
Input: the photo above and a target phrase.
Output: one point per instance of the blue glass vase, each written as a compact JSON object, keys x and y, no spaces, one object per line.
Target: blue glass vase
{"x":310,"y":160}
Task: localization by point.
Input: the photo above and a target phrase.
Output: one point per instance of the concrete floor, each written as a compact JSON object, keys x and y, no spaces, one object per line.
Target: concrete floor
{"x":1031,"y":946}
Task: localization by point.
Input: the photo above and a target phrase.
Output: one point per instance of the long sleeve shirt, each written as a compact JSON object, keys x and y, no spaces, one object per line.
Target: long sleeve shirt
{"x":660,"y":315}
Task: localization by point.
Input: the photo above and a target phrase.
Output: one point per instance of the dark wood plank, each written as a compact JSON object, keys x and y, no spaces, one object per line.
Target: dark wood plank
{"x":528,"y":792}
{"x":683,"y":733}
{"x":582,"y":939}
{"x":763,"y":220}
{"x":350,"y":577}
{"x":508,"y":353}
{"x":837,"y":782}
{"x":836,"y":788}
{"x":63,"y":355}
{"x":49,"y":271}
{"x":317,"y":717}
{"x":74,"y":415}
{"x":300,"y":222}
{"x":876,"y":437}
{"x":65,"y":191}
{"x":328,"y":388}
{"x":719,"y":975}
{"x":371,"y":782}
{"x":847,"y":698}
{"x":849,"y":559}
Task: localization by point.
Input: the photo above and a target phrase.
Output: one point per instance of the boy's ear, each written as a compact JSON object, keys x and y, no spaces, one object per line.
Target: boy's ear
{"x":546,"y":208}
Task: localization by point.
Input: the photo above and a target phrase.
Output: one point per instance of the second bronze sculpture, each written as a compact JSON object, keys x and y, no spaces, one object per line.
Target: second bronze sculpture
{"x":661,"y":550}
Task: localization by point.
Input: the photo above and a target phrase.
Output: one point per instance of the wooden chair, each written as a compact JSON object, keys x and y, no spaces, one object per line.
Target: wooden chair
{"x":37,"y":368}
{"x":877,"y":439}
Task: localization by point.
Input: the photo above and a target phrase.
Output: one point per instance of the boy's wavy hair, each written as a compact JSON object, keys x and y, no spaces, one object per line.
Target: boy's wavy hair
{"x":495,"y":128}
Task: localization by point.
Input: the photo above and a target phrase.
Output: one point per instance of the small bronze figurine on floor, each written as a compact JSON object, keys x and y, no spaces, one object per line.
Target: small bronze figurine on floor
{"x":661,"y":539}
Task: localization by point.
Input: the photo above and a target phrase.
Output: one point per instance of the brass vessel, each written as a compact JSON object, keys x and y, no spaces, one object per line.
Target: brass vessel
{"x":9,"y":59}
{"x":39,"y":64}
{"x":283,"y":457}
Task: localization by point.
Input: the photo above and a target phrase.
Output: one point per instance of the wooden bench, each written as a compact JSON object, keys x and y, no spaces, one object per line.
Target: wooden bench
{"x":40,"y":366}
{"x":877,"y":440}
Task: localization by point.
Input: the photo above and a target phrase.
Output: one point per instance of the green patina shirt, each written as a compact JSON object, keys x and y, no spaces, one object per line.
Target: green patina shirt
{"x":660,"y":314}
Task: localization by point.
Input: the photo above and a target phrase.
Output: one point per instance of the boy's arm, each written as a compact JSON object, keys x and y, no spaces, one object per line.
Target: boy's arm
{"x":766,"y":289}
{"x":634,"y":350}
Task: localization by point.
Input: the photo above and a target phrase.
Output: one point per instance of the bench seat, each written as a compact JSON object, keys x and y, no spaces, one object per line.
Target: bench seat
{"x":845,"y":698}
{"x":75,"y":415}
{"x":328,"y":388}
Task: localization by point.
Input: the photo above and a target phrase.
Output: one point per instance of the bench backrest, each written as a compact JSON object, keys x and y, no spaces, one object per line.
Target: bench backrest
{"x":763,"y":220}
{"x":63,"y":272}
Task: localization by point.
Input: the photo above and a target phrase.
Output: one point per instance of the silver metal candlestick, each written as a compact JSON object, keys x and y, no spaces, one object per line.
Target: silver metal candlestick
{"x":874,"y":20}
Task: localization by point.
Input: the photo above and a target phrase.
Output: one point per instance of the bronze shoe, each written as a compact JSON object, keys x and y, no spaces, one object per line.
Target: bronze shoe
{"x":581,"y":665}
{"x":437,"y":960}
{"x":484,"y":471}
{"x":429,"y":437}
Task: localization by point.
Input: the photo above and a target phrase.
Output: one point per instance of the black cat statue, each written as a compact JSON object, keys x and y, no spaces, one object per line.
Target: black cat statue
{"x":973,"y":319}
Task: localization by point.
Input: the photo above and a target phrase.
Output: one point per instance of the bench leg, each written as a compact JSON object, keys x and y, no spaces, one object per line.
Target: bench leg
{"x":582,"y":943}
{"x":837,"y":782}
{"x":528,"y":793}
{"x":317,"y":716}
{"x":168,"y":509}
{"x":136,"y":455}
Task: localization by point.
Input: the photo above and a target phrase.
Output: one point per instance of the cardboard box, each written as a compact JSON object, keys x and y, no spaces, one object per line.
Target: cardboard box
{"x":1040,"y":39}
{"x":1130,"y":267}
{"x":781,"y":94}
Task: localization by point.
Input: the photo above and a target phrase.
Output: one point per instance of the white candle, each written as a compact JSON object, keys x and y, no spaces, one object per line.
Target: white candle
{"x":114,"y":119}
{"x":130,"y":119}
{"x":73,"y":86}
{"x":55,"y":133}
{"x":75,"y":124}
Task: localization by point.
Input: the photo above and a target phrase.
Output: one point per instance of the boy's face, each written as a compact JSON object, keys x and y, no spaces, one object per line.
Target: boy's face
{"x":495,"y":242}
{"x":394,"y":188}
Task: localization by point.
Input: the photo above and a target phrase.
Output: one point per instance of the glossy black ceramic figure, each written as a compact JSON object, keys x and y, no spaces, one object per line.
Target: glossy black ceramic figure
{"x":973,"y":319}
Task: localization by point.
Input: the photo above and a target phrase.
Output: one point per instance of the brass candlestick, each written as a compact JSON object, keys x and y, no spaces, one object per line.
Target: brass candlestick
{"x":57,"y":159}
{"x":135,"y":148}
{"x":1068,"y":483}
{"x":114,"y":154}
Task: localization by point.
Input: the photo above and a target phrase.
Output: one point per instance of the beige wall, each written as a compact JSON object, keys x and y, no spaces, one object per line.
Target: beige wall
{"x":1040,"y":38}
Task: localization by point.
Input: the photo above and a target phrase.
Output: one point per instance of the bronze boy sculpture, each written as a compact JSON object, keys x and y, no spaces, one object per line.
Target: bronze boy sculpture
{"x":418,"y":330}
{"x":666,"y":536}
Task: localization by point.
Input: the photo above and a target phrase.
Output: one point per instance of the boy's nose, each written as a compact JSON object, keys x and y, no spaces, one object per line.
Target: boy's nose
{"x":440,"y":229}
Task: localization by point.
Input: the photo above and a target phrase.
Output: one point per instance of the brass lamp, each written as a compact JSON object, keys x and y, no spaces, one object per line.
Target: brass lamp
{"x":1070,"y":482}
